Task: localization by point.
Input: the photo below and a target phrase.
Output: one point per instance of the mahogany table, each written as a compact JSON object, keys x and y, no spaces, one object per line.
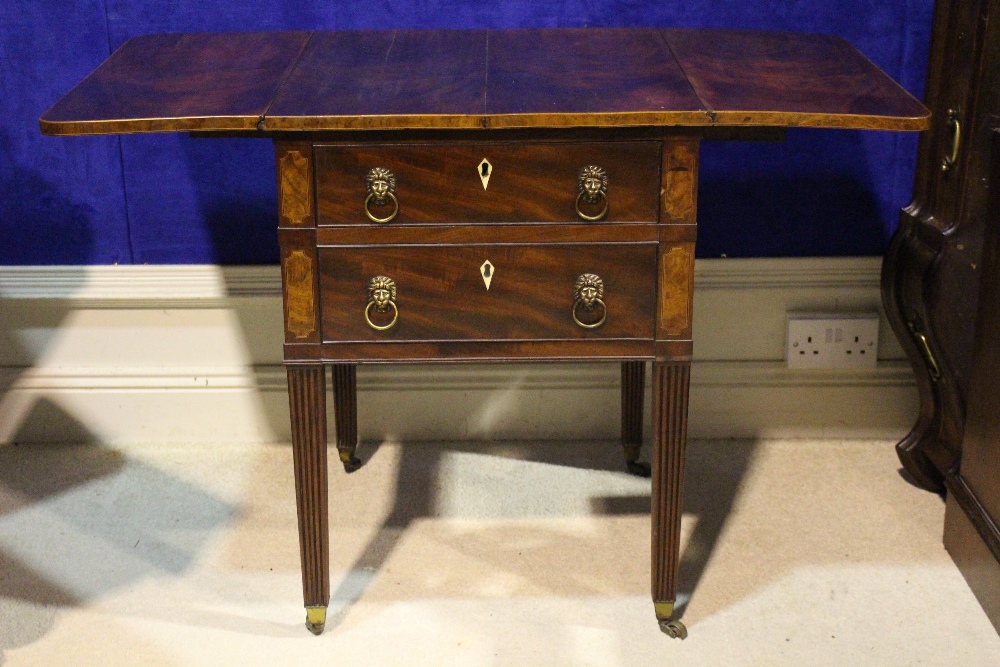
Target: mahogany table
{"x":486,"y":196}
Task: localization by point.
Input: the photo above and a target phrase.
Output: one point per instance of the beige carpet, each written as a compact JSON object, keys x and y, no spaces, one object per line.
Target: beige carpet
{"x":795,"y":553}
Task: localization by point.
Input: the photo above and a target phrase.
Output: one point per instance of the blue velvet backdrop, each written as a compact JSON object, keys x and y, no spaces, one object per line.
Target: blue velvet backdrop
{"x":173,"y":199}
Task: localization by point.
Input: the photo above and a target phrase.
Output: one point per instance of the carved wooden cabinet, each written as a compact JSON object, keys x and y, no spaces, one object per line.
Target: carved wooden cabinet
{"x":972,"y":513}
{"x":930,"y":279}
{"x":931,"y":285}
{"x":486,"y":196}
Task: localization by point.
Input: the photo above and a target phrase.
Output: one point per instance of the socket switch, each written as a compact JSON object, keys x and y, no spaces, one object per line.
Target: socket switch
{"x":832,"y":340}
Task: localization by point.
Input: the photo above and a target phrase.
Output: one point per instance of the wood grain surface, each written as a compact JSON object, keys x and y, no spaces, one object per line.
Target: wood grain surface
{"x":442,"y":296}
{"x":932,"y":268}
{"x":300,"y":284}
{"x":671,"y":387}
{"x":633,"y":374}
{"x":676,"y":291}
{"x":679,"y":174}
{"x":585,"y":76}
{"x":778,"y":78}
{"x":486,"y":234}
{"x":345,"y":412}
{"x":399,"y":78}
{"x":974,"y":488}
{"x":406,"y":79}
{"x":300,"y":299}
{"x":307,"y":404}
{"x":295,"y":182}
{"x":597,"y":349}
{"x":166,"y":83}
{"x":530,"y":182}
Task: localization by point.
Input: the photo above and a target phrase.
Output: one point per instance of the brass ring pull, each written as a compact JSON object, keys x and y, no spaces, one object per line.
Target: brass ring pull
{"x":591,"y":188}
{"x":956,"y":140}
{"x":381,"y":295}
{"x":604,"y":209}
{"x":395,"y":317}
{"x":596,"y":302}
{"x":381,"y":186}
{"x":588,"y":294}
{"x":388,"y":196}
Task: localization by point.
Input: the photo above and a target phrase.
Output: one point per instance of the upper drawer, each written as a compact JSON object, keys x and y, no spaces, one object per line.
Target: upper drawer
{"x":527,"y":182}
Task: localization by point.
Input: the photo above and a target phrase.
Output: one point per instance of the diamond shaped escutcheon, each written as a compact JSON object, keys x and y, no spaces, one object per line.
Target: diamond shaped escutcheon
{"x":485,"y":169}
{"x":487,"y":271}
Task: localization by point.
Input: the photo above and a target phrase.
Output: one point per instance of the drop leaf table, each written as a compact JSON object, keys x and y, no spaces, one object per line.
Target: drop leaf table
{"x":486,"y":195}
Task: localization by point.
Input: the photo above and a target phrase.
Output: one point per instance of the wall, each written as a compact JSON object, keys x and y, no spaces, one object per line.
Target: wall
{"x":152,"y":354}
{"x":164,"y":199}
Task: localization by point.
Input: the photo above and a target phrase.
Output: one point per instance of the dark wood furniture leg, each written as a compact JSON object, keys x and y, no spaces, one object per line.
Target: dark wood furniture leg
{"x":345,"y":406}
{"x":307,"y":401}
{"x":671,"y":383}
{"x":633,"y":378}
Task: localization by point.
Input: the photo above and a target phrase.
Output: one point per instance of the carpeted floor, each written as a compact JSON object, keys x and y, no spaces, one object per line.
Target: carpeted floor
{"x":795,"y":553}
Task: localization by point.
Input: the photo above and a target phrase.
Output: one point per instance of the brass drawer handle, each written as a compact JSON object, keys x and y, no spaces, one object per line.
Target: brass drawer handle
{"x":381,"y":296}
{"x":588,"y":294}
{"x":956,"y":140}
{"x":592,"y":190}
{"x":381,"y":186}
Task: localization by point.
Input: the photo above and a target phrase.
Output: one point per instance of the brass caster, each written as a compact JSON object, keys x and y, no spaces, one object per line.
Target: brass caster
{"x":350,"y":461}
{"x":639,"y":469}
{"x":316,"y":619}
{"x":673,"y":629}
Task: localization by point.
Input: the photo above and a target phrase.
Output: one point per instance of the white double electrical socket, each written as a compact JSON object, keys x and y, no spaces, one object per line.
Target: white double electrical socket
{"x":832,"y":340}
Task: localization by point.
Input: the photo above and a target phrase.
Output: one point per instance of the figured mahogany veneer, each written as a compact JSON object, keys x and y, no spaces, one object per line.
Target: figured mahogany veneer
{"x":442,"y":296}
{"x":538,"y":105}
{"x":747,"y":77}
{"x":534,"y":182}
{"x":170,"y":83}
{"x":569,"y":77}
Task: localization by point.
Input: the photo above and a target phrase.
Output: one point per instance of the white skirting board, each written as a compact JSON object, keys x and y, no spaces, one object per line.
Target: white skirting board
{"x":146,"y":354}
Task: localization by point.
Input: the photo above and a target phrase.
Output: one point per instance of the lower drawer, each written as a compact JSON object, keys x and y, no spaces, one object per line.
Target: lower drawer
{"x":488,"y":292}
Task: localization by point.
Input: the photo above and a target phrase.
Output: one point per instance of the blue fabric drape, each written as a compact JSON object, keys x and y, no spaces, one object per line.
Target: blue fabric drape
{"x":174,"y":199}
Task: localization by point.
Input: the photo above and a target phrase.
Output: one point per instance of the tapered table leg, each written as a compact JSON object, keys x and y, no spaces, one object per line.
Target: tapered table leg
{"x":671,"y":383}
{"x":307,"y":402}
{"x":345,"y":406}
{"x":633,"y":377}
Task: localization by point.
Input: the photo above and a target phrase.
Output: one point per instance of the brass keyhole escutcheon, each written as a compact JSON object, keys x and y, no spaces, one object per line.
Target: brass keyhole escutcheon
{"x":487,"y":270}
{"x":485,"y":171}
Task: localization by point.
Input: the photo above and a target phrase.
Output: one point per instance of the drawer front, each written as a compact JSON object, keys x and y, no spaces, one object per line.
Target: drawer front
{"x":441,"y":293}
{"x":444,"y":183}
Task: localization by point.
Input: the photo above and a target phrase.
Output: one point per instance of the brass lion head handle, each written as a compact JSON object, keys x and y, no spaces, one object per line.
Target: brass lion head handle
{"x":592,"y":192}
{"x":381,"y":186}
{"x":588,"y":295}
{"x":381,"y":297}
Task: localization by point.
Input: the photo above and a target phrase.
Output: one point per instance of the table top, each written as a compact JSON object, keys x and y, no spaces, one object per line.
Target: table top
{"x":435,"y":79}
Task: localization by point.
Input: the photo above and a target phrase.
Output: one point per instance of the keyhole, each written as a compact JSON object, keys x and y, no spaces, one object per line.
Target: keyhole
{"x":485,"y":169}
{"x":486,"y":271}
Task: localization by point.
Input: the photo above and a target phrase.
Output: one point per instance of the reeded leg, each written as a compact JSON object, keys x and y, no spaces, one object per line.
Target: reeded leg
{"x":633,"y":376}
{"x":671,"y":383}
{"x":345,"y":406}
{"x":307,"y":401}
